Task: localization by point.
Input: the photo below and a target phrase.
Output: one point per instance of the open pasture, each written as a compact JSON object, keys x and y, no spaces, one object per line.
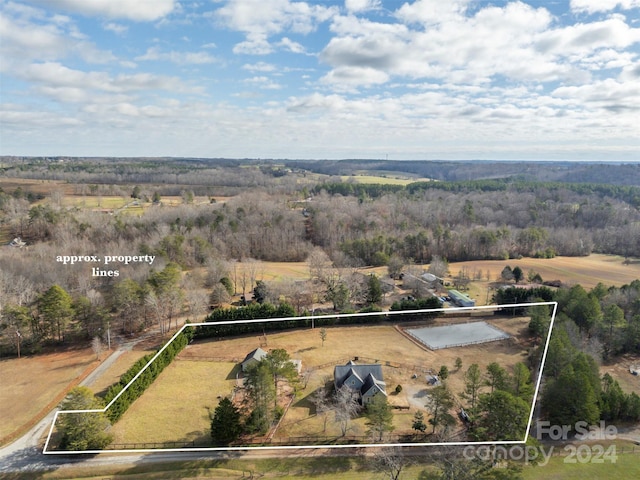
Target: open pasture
{"x":586,"y":271}
{"x":176,"y":407}
{"x":42,"y":379}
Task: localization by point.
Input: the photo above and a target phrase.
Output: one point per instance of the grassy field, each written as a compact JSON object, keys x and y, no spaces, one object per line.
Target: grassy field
{"x":586,"y":271}
{"x":626,"y":467}
{"x":41,"y":379}
{"x":176,"y":407}
{"x":205,"y":370}
{"x":309,"y":466}
{"x":383,"y":180}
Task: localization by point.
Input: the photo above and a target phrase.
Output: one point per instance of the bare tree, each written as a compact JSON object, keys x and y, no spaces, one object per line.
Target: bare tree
{"x":390,"y":461}
{"x":322,"y":405}
{"x":97,"y":346}
{"x":346,"y":407}
{"x":319,"y":262}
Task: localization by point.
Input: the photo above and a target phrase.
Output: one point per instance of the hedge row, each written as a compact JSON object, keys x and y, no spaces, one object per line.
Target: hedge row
{"x":267,"y":311}
{"x":120,"y":406}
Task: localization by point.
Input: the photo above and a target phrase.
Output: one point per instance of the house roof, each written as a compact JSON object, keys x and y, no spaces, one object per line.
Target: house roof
{"x":364,"y":372}
{"x":257,"y":354}
{"x":372,"y":381}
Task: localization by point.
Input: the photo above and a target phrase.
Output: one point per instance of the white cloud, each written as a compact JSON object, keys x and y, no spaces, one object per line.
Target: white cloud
{"x":361,"y":5}
{"x":260,"y":20}
{"x":432,"y":11}
{"x":291,"y":46}
{"x":56,"y":75}
{"x":593,"y":6}
{"x":494,"y":41}
{"x":32,"y":35}
{"x":116,"y":28}
{"x":348,"y":77}
{"x":260,"y":67}
{"x":179,"y":58}
{"x":262,"y":82}
{"x":137,"y":10}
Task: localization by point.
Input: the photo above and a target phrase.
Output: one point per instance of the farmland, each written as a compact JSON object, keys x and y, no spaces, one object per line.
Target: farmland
{"x":176,"y":407}
{"x":42,"y":379}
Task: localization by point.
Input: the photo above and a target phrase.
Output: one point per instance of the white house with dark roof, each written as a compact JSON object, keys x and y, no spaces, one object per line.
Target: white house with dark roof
{"x":365,"y":380}
{"x":252,"y":358}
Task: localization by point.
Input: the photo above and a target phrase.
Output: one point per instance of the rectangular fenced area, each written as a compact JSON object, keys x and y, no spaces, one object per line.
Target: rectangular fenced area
{"x":458,"y":335}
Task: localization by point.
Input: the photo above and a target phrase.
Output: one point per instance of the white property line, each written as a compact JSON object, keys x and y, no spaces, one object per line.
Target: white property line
{"x":291,"y":447}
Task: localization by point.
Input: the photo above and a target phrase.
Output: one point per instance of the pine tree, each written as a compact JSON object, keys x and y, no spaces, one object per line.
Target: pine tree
{"x":225,"y":424}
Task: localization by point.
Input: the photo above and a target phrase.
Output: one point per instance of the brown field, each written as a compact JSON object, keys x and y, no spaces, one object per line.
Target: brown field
{"x":188,"y":389}
{"x":586,"y":271}
{"x":176,"y":407}
{"x":42,"y":379}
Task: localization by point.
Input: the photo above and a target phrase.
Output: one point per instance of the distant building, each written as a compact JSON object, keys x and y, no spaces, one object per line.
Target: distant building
{"x":252,"y":358}
{"x":255,"y":356}
{"x":366,"y":380}
{"x":17,"y":242}
{"x":460,"y":299}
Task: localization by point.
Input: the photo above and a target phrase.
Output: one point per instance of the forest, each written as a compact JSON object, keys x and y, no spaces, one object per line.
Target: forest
{"x":210,"y":224}
{"x":272,"y":212}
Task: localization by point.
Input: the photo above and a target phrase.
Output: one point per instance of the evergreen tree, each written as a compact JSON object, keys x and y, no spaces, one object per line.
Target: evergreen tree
{"x":261,"y":392}
{"x":439,"y":404}
{"x":472,"y":385}
{"x":55,"y":307}
{"x":379,"y":417}
{"x":503,"y":416}
{"x":374,"y":290}
{"x":225,"y":424}
{"x":83,"y":431}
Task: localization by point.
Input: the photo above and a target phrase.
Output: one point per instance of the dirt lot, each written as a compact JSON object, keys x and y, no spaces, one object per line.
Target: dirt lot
{"x":41,"y":379}
{"x":189,"y":388}
{"x":620,"y":371}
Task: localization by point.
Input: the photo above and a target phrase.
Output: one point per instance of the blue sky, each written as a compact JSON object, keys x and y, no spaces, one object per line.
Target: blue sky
{"x":407,"y":79}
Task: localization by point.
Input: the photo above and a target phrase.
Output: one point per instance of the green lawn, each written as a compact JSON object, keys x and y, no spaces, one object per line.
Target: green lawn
{"x":626,"y":466}
{"x":307,"y":466}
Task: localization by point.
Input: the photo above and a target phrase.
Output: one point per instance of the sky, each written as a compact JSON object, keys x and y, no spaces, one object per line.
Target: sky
{"x":286,"y":79}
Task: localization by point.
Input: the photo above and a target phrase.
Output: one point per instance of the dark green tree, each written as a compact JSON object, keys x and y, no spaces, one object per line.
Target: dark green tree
{"x":226,"y":425}
{"x":83,"y":431}
{"x":472,"y":385}
{"x":612,"y":319}
{"x":374,"y":290}
{"x":517,"y":274}
{"x":280,"y":366}
{"x":418,"y":422}
{"x":502,"y":416}
{"x":262,"y":394}
{"x":439,"y":404}
{"x":497,"y":377}
{"x":571,"y":399}
{"x":521,"y":385}
{"x":55,"y":307}
{"x":260,"y":291}
{"x":379,"y":417}
{"x":540,"y":320}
